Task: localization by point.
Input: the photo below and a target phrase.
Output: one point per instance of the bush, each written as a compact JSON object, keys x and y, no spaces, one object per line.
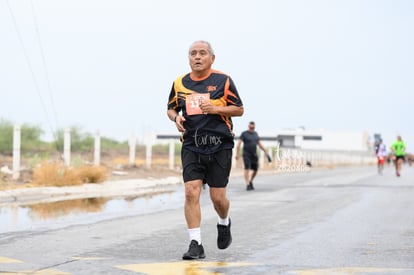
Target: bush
{"x":6,"y":137}
{"x":93,"y":174}
{"x":30,"y":138}
{"x":79,"y":142}
{"x":57,"y":174}
{"x":107,"y":143}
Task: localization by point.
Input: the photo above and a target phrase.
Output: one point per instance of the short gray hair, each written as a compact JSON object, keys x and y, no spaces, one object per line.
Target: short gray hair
{"x":210,"y":49}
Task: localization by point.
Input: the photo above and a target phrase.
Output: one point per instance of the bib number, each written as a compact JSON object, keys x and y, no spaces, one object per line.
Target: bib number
{"x":193,"y":101}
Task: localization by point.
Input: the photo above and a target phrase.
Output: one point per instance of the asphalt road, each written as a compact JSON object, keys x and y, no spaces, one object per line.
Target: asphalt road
{"x":341,"y":221}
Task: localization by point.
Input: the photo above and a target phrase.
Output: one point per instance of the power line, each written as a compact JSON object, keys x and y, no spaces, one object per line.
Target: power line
{"x":35,"y":82}
{"x":42,"y":54}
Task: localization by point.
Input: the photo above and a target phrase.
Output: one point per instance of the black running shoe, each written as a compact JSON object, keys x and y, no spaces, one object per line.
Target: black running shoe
{"x":224,"y":236}
{"x":248,"y":187}
{"x":251,"y":185}
{"x":195,"y":251}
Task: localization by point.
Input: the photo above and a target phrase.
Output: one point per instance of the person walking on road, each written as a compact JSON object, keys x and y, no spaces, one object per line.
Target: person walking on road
{"x":398,"y":151}
{"x":381,"y":153}
{"x":201,"y":104}
{"x":251,"y":140}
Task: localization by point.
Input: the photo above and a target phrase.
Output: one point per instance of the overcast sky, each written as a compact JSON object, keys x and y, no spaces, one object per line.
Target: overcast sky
{"x":109,"y":64}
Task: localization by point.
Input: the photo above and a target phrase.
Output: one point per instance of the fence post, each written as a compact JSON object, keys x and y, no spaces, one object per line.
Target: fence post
{"x":172,"y":151}
{"x":16,"y":151}
{"x":97,"y":149}
{"x":149,"y":150}
{"x":66,"y":147}
{"x":233,"y":158}
{"x":132,"y":149}
{"x":261,"y":158}
{"x":276,"y":156}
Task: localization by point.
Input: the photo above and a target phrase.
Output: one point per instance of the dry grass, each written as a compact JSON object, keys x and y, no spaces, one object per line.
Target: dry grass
{"x":93,"y":174}
{"x":57,"y":174}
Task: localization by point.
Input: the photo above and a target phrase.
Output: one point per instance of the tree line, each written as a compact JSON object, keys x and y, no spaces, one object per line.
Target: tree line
{"x":31,"y":140}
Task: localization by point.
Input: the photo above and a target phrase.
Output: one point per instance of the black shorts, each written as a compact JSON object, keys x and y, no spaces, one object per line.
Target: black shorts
{"x":213,"y":169}
{"x":251,"y":163}
{"x":400,"y":157}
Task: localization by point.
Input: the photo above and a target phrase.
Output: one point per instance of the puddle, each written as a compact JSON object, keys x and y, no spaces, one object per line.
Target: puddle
{"x":62,"y":213}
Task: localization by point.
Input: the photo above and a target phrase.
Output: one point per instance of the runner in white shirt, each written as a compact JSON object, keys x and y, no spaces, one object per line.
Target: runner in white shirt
{"x":381,"y":155}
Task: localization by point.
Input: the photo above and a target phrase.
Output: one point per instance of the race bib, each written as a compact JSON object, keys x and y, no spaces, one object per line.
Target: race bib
{"x":193,"y":101}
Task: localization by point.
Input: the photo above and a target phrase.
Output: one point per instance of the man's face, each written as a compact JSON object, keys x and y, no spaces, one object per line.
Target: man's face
{"x":251,"y":127}
{"x":200,"y":58}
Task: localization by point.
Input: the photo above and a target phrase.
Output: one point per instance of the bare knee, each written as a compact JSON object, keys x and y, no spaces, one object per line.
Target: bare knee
{"x":219,"y":200}
{"x":192,"y":192}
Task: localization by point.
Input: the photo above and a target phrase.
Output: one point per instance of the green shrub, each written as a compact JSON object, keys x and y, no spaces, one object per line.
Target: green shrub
{"x":6,"y":137}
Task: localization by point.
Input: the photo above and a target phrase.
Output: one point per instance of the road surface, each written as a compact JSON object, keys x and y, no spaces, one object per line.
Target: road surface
{"x":340,"y":221}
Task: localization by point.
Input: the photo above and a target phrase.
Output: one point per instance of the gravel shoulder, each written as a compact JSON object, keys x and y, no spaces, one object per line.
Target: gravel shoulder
{"x":131,"y":184}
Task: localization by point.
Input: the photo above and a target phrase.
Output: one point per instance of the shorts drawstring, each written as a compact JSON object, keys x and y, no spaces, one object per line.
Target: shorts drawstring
{"x":209,"y":157}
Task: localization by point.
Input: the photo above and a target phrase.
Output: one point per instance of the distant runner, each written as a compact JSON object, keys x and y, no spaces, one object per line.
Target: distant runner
{"x":251,"y":140}
{"x":381,"y":155}
{"x":398,"y":150}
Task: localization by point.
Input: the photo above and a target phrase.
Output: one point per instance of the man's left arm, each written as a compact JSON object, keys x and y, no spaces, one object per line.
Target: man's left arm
{"x":261,"y":146}
{"x":230,"y":110}
{"x":232,"y":107}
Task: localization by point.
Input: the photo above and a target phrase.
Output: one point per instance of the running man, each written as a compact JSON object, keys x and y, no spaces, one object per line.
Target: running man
{"x":398,"y":151}
{"x":251,"y":140}
{"x":201,"y":104}
{"x":381,"y":155}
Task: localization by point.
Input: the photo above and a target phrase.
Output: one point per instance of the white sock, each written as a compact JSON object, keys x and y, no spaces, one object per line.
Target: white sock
{"x":195,"y":234}
{"x":224,"y":221}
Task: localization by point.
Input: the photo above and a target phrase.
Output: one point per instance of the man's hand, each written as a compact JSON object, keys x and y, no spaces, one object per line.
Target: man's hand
{"x":269,"y":159}
{"x":207,"y":108}
{"x":179,"y":120}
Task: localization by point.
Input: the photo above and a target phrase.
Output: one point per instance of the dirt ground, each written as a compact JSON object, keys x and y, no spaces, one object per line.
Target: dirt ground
{"x":118,"y":168}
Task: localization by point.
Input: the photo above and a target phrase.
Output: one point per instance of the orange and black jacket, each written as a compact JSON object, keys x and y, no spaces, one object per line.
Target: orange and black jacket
{"x":206,"y":134}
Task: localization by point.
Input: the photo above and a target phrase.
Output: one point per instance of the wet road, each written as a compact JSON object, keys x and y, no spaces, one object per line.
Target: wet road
{"x":341,"y":221}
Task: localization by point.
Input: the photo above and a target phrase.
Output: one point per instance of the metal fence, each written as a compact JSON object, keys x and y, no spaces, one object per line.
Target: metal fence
{"x":284,"y":160}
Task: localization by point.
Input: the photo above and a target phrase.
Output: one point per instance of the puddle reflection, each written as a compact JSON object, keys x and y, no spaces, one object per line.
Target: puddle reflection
{"x":61,"y":208}
{"x":61,"y":213}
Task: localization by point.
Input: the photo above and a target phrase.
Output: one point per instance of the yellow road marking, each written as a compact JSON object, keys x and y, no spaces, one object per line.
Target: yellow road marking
{"x":349,"y":271}
{"x":5,"y":260}
{"x":41,"y":272}
{"x":180,"y":268}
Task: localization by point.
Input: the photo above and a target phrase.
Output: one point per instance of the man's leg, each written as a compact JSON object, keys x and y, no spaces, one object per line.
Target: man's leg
{"x":399,"y":163}
{"x":247,"y":178}
{"x":378,"y":165}
{"x":220,"y":201}
{"x":254,"y":167}
{"x":247,"y":164}
{"x":222,"y":205}
{"x":192,"y":213}
{"x":254,"y":173}
{"x":192,"y":203}
{"x":395,"y":162}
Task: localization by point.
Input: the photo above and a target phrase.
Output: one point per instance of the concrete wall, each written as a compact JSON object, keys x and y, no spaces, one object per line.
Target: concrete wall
{"x":330,"y":140}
